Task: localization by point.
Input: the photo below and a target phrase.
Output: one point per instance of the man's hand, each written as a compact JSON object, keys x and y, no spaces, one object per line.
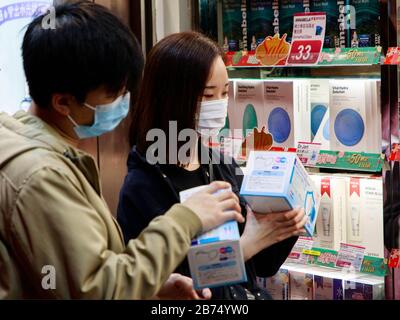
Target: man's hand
{"x":214,"y":208}
{"x":179,"y":287}
{"x":264,"y":230}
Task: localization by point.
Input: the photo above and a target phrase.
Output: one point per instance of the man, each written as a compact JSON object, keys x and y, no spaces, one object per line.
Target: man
{"x":53,"y":218}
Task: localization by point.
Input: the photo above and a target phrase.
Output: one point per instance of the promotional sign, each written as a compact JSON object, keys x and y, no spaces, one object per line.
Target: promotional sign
{"x":308,"y":38}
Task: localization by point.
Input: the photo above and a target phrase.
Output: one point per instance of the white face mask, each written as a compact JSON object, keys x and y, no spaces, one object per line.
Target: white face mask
{"x":212,"y":116}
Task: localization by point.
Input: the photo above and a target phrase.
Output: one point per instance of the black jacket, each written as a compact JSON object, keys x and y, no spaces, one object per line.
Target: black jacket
{"x":147,"y":193}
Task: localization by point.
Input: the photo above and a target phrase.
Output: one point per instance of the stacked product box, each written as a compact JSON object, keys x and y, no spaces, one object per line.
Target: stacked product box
{"x":215,"y":257}
{"x":330,"y":229}
{"x":352,"y":116}
{"x":278,"y":182}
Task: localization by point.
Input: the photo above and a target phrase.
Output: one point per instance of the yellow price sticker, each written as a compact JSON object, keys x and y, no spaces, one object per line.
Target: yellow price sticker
{"x":312,"y":253}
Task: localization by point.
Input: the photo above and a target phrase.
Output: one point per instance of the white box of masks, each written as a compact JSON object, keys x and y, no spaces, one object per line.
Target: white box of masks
{"x":215,"y":257}
{"x":278,"y":182}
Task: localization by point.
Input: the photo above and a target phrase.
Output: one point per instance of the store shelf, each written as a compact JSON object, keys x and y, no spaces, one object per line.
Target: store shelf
{"x":334,"y":273}
{"x":334,"y":57}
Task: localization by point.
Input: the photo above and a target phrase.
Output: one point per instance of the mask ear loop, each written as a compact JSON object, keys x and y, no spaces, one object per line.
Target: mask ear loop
{"x":73,"y":121}
{"x":89,"y":106}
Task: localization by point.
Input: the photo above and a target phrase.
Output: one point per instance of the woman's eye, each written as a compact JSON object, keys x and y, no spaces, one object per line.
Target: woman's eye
{"x":225,"y":93}
{"x":208,"y":95}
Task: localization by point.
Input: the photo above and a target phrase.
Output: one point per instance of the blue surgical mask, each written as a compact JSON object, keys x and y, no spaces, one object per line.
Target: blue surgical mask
{"x":106,"y":117}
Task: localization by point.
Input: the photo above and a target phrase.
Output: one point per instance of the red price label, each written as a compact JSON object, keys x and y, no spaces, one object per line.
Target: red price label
{"x":305,"y":52}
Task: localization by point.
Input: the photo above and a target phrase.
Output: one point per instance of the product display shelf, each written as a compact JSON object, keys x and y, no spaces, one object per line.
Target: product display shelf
{"x":363,"y":62}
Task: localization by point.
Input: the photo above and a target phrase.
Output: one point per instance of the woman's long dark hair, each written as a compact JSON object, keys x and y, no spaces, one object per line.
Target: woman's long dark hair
{"x":175,"y":76}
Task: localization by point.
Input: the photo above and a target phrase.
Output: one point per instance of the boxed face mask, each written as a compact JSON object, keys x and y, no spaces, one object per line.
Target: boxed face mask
{"x":328,"y":287}
{"x":319,"y":99}
{"x":278,"y":182}
{"x":278,"y":285}
{"x":287,"y":108}
{"x":364,"y":23}
{"x":261,"y":17}
{"x":234,"y":15}
{"x":348,"y":116}
{"x":249,"y":107}
{"x":363,"y":288}
{"x":301,"y":285}
{"x":215,"y":258}
{"x":374,"y":115}
{"x":330,"y":228}
{"x":280,"y":98}
{"x":365,"y":214}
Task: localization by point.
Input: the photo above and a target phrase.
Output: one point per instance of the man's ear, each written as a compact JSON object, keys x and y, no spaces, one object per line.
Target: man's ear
{"x":62,"y":103}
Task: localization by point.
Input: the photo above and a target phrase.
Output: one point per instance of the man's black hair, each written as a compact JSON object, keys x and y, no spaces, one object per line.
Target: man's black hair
{"x":89,"y":48}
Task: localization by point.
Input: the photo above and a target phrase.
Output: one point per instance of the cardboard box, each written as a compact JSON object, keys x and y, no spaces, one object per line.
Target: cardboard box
{"x":330,"y":228}
{"x":261,"y":18}
{"x":364,"y":288}
{"x":276,"y":182}
{"x":365,"y":31}
{"x":249,"y":107}
{"x":331,"y":8}
{"x":287,"y":111}
{"x":301,"y":285}
{"x":281,"y":99}
{"x":235,"y":24}
{"x":328,"y":287}
{"x":374,"y":115}
{"x":319,"y":98}
{"x":215,"y":257}
{"x":349,"y":127}
{"x":365,"y":214}
{"x":278,"y":285}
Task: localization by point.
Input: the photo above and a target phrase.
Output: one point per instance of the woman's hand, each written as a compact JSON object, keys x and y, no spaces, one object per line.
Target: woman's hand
{"x":179,"y":287}
{"x":264,"y":230}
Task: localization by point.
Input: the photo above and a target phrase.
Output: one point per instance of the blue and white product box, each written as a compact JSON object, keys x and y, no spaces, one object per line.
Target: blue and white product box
{"x":319,"y":97}
{"x":353,"y":112}
{"x":278,"y":182}
{"x":328,"y":288}
{"x":215,"y":258}
{"x":364,"y":288}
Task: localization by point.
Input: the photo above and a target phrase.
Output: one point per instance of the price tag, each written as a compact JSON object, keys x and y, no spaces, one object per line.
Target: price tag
{"x":298,"y":254}
{"x":308,"y":153}
{"x":350,"y":256}
{"x":312,"y":253}
{"x":308,"y":38}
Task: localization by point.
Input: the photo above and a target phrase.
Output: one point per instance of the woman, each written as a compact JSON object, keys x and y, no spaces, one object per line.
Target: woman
{"x":185,"y":86}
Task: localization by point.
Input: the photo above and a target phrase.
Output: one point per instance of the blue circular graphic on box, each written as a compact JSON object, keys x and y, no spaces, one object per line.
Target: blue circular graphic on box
{"x":317,"y":114}
{"x":325,"y":131}
{"x":279,"y":125}
{"x":349,"y":127}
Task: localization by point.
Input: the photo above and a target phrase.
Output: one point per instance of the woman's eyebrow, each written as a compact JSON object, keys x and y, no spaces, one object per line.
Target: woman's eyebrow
{"x":213,"y":87}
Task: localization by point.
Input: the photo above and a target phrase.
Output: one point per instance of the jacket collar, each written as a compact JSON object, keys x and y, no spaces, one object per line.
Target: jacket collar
{"x":35,"y":133}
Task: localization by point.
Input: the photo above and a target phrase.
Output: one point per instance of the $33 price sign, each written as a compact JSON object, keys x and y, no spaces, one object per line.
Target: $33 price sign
{"x":305,"y":52}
